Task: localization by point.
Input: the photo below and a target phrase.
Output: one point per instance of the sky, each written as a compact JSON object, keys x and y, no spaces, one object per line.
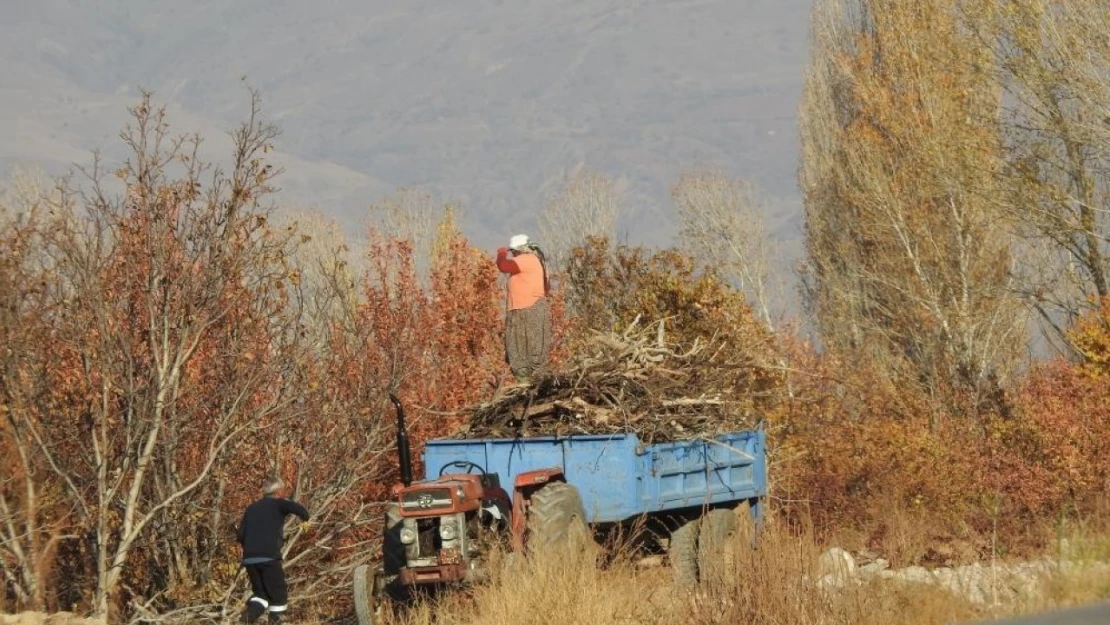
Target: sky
{"x":489,"y":104}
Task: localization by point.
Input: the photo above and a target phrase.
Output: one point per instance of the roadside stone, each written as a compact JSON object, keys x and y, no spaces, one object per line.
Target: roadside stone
{"x":865,"y":556}
{"x":914,"y":575}
{"x":981,"y":584}
{"x":975,"y":582}
{"x":875,"y":567}
{"x":829,"y":582}
{"x":837,"y":565}
{"x":946,"y":578}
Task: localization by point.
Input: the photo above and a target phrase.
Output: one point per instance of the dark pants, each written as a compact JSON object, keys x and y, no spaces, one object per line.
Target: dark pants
{"x":268,"y":590}
{"x":528,"y":339}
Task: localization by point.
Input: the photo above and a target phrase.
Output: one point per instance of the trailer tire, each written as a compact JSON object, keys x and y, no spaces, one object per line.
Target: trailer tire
{"x":557,"y":518}
{"x":747,"y":529}
{"x":365,"y":595}
{"x":716,"y":546}
{"x":683,"y":553}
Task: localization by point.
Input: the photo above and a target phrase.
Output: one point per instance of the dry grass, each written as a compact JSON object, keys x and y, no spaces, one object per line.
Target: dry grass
{"x":774,"y":585}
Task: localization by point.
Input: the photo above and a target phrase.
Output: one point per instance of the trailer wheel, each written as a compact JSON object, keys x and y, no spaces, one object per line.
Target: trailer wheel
{"x":716,"y":546}
{"x":557,"y":518}
{"x":683,"y":552}
{"x":747,"y":528}
{"x":365,"y":595}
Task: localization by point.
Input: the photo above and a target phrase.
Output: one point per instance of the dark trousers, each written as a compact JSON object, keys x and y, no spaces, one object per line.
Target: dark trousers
{"x":528,"y":339}
{"x":268,"y":590}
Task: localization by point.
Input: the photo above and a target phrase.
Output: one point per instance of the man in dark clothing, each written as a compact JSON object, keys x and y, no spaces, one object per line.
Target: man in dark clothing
{"x":261,"y":536}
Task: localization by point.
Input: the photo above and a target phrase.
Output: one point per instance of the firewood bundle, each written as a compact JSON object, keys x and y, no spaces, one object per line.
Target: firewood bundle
{"x":635,"y":381}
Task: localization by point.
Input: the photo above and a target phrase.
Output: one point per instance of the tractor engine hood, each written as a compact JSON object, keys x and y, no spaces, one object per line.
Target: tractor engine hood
{"x":448,"y":495}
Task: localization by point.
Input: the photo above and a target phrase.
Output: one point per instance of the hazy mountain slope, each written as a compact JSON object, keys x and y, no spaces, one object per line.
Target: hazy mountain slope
{"x":488,"y":102}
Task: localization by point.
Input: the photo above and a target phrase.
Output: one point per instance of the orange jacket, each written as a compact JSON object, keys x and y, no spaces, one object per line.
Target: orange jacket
{"x":527,"y":279}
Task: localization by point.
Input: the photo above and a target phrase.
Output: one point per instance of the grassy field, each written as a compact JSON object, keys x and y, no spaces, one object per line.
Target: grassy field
{"x":776,"y":584}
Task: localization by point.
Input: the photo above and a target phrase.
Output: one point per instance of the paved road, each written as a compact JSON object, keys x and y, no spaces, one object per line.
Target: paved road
{"x":1098,"y":614}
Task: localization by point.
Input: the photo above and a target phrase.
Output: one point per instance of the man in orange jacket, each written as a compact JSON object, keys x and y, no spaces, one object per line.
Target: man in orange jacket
{"x":528,"y":317}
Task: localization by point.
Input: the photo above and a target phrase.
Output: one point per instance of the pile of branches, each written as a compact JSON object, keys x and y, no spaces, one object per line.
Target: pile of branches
{"x":630,"y":382}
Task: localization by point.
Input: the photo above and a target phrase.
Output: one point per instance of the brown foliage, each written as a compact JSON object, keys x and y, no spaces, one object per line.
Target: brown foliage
{"x":168,"y":349}
{"x":614,"y":286}
{"x":861,"y":458}
{"x":1091,"y":339}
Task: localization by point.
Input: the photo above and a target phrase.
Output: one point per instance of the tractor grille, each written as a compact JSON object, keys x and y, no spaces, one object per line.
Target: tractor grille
{"x":427,"y":537}
{"x":431,"y":499}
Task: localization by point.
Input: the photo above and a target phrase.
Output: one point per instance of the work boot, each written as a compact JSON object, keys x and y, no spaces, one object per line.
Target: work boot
{"x":253,"y":611}
{"x":275,"y":617}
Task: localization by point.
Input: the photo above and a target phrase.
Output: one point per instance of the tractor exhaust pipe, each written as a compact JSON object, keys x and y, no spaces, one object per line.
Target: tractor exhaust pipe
{"x":404,"y":456}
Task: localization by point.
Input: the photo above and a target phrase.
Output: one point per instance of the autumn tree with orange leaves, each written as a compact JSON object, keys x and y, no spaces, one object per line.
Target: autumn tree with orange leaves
{"x":34,"y":515}
{"x":174,"y":353}
{"x":168,"y":348}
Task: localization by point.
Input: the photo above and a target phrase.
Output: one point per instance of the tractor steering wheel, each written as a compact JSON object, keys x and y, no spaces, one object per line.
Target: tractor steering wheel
{"x":462,"y":464}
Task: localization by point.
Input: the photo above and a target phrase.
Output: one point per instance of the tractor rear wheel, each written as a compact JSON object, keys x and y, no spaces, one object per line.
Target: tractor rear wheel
{"x":683,"y":552}
{"x":716,"y":546}
{"x":557,"y":518}
{"x":365,"y":595}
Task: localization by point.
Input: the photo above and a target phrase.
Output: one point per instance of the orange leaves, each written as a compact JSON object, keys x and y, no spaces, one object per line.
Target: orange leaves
{"x":1091,"y":338}
{"x":855,"y":441}
{"x":1067,"y":412}
{"x":435,"y":341}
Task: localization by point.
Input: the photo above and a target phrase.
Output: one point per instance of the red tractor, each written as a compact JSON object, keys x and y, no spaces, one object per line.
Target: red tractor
{"x":437,"y":531}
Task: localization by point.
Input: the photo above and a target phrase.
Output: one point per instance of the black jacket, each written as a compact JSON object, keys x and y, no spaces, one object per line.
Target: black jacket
{"x":260,"y":532}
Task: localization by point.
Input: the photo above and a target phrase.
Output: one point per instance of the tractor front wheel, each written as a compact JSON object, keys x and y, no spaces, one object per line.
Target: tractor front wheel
{"x":365,"y":587}
{"x":557,"y":518}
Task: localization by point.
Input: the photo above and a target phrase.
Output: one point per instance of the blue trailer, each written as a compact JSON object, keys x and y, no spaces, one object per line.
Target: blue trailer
{"x":618,"y":477}
{"x":547,"y":491}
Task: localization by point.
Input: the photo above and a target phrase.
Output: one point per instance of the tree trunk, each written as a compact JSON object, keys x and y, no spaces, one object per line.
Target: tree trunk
{"x":101,"y":598}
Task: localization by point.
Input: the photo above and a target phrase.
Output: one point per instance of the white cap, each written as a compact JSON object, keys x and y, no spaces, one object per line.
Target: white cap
{"x":518,"y":242}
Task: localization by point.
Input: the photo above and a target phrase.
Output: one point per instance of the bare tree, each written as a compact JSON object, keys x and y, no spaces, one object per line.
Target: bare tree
{"x":588,"y":206}
{"x":907,"y":259}
{"x":165,"y":347}
{"x":149,"y":283}
{"x":722,"y":225}
{"x":326,"y":275}
{"x":411,"y":215}
{"x":1054,"y":58}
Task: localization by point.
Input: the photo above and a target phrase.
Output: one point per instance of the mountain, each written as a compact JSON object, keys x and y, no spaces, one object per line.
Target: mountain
{"x":487,"y":102}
